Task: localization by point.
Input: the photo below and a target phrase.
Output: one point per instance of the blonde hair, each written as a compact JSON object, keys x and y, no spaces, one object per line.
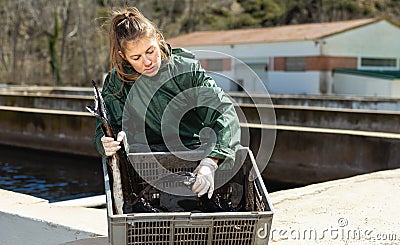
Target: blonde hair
{"x":131,"y":25}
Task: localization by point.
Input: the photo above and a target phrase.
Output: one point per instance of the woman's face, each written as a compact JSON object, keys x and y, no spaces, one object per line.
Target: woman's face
{"x":144,"y":55}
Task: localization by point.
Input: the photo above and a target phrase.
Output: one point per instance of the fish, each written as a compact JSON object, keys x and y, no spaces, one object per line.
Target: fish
{"x":194,"y":204}
{"x":124,"y":191}
{"x":175,"y":203}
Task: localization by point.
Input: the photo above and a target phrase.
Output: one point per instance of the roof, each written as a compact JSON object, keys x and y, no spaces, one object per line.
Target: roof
{"x":271,"y":34}
{"x":389,"y":75}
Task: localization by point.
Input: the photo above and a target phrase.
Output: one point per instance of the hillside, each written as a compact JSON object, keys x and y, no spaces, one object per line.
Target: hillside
{"x":182,"y":16}
{"x":65,"y":42}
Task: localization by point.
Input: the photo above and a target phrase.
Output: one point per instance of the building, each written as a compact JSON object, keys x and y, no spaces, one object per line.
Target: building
{"x":382,"y":83}
{"x":296,"y":59}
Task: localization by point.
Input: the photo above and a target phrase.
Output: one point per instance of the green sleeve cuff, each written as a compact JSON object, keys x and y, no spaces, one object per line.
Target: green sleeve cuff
{"x":226,"y":155}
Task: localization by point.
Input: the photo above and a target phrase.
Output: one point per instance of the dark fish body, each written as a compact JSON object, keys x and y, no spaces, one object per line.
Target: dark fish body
{"x":175,"y":203}
{"x":122,"y":171}
{"x":216,"y":204}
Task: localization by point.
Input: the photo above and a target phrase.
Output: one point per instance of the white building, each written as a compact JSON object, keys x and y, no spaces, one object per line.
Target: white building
{"x":296,"y":58}
{"x":367,"y":83}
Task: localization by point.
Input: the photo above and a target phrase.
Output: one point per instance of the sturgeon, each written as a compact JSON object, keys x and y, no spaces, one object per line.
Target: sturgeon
{"x":123,"y":188}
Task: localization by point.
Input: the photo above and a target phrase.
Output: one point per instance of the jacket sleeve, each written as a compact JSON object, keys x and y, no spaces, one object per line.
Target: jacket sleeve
{"x":218,"y":113}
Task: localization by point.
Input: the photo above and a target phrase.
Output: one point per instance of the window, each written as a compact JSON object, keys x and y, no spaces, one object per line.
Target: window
{"x":215,"y":64}
{"x":386,"y":63}
{"x":295,"y":63}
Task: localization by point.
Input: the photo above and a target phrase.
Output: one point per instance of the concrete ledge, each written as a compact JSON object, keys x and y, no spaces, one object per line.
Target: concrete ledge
{"x":87,"y":202}
{"x":89,"y":241}
{"x":47,"y":101}
{"x":322,"y":117}
{"x":30,"y":220}
{"x":323,"y":100}
{"x":358,"y":210}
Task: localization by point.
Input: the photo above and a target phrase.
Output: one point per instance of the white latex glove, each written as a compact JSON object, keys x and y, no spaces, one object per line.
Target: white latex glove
{"x":252,"y":174}
{"x":205,"y":177}
{"x":111,"y":146}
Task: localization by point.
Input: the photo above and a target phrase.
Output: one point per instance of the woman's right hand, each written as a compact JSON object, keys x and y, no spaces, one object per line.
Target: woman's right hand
{"x":110,"y":145}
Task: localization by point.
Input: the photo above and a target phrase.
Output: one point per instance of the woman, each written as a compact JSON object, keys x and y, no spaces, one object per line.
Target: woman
{"x":169,"y":96}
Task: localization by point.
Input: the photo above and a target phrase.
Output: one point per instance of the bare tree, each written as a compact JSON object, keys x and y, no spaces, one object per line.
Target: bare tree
{"x":65,"y":42}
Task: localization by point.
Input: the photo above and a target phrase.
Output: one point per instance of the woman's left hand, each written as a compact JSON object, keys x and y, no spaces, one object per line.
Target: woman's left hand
{"x":205,"y":177}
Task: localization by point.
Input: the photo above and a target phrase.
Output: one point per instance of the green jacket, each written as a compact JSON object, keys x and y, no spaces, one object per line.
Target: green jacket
{"x":171,"y":108}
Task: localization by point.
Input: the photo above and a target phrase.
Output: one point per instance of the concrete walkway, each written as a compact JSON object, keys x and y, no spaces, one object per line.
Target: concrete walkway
{"x":29,"y":220}
{"x":358,"y":210}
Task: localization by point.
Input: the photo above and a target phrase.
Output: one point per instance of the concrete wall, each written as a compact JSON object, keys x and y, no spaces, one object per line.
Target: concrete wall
{"x":329,"y":101}
{"x":318,"y":117}
{"x":29,"y":220}
{"x":72,"y":132}
{"x":312,"y":144}
{"x":52,"y":130}
{"x":310,"y":155}
{"x":38,"y":99}
{"x":46,"y":101}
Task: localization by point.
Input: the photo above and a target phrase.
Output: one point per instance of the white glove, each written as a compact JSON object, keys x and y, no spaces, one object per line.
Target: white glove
{"x":252,"y":174}
{"x":111,"y":146}
{"x":205,"y":177}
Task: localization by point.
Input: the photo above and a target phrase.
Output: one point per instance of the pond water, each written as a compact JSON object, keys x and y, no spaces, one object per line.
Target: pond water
{"x":59,"y":177}
{"x":55,"y":177}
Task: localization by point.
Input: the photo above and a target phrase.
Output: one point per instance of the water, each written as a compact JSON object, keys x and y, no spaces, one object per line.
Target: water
{"x":55,"y":177}
{"x":59,"y":177}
